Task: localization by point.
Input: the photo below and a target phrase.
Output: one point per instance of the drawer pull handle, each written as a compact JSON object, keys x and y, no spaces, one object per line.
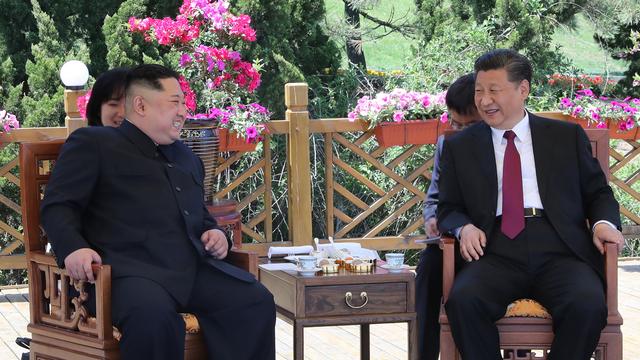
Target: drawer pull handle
{"x":348,"y":296}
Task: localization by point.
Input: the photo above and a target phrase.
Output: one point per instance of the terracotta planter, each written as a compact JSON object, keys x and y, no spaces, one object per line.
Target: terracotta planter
{"x":614,"y":132}
{"x":230,"y":141}
{"x":412,"y":132}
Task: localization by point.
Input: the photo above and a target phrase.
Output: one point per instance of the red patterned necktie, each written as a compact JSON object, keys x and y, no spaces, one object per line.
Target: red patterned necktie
{"x":512,"y":199}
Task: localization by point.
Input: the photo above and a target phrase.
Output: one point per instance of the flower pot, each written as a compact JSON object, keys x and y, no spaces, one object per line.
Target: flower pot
{"x":614,"y":132}
{"x":413,"y":132}
{"x":230,"y":141}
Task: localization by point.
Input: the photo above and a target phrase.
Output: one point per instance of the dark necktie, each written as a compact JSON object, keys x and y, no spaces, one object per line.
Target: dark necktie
{"x":512,"y":199}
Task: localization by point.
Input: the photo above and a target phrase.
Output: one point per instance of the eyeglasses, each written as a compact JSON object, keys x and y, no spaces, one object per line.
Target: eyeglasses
{"x":458,"y":125}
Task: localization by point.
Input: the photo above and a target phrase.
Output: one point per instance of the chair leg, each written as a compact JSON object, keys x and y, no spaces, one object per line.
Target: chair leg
{"x":448,"y":349}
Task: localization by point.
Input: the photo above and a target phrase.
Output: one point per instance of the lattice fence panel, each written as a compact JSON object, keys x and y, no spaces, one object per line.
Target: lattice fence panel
{"x":375,"y":193}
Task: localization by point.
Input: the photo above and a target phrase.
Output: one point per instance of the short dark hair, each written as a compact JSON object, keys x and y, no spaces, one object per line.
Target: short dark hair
{"x":460,"y":95}
{"x":518,"y":67}
{"x":149,"y":75}
{"x":109,"y":86}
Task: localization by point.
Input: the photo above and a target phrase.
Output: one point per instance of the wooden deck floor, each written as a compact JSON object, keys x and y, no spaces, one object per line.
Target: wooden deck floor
{"x":388,"y":341}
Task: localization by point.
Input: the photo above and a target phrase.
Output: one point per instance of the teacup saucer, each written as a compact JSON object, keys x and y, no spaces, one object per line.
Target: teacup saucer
{"x":308,"y":272}
{"x":394,"y":268}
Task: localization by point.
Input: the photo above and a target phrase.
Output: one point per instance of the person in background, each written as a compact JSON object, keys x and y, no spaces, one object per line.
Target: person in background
{"x":461,"y":112}
{"x":106,"y":104}
{"x":516,"y":190}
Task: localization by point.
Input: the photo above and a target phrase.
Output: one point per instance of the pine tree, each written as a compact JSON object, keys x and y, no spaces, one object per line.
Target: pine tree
{"x":125,"y":48}
{"x":43,"y":104}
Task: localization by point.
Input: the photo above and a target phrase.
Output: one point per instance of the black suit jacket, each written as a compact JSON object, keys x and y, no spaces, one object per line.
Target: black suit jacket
{"x":571,"y":183}
{"x":139,"y":206}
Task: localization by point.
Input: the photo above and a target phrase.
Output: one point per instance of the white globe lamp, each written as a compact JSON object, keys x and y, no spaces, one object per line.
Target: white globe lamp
{"x":74,"y":75}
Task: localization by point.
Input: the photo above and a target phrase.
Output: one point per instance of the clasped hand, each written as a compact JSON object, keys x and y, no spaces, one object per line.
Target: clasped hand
{"x":215,"y":243}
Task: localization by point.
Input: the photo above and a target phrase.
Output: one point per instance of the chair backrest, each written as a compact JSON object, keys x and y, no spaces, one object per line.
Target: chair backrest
{"x":36,"y":163}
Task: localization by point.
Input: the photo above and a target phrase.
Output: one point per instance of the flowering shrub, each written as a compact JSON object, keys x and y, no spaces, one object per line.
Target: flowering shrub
{"x":597,"y":109}
{"x":214,"y":76}
{"x":81,"y":103}
{"x":8,"y":121}
{"x":570,"y":83}
{"x":397,"y":106}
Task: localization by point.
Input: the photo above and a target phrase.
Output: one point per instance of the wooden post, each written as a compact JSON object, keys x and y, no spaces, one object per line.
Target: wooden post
{"x":299,"y":168}
{"x":73,"y":121}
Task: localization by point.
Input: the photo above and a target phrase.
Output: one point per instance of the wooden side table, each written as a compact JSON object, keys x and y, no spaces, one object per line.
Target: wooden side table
{"x":344,"y":299}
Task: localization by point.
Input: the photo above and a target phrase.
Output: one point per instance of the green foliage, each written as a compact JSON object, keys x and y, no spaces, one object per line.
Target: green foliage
{"x":620,"y":42}
{"x":43,"y":103}
{"x":290,"y":42}
{"x":449,"y":54}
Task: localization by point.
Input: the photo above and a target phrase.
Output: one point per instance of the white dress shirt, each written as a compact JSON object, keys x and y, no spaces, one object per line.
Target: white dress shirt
{"x":527,"y":163}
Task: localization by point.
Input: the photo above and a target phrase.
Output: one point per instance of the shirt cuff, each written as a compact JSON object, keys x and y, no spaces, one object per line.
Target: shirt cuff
{"x":457,"y":231}
{"x":603,"y":221}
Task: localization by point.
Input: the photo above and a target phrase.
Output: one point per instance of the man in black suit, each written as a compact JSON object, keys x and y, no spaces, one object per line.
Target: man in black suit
{"x":516,"y":190}
{"x":132,"y":197}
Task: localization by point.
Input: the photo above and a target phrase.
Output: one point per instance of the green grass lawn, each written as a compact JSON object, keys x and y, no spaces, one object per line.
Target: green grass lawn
{"x":387,"y":53}
{"x":392,"y":51}
{"x":579,"y":46}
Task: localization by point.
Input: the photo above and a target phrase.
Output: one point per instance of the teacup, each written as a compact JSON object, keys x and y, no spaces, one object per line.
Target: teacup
{"x":307,"y":262}
{"x":394,"y":260}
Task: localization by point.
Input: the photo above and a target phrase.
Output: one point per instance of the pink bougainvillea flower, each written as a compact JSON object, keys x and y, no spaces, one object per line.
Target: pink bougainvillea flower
{"x":81,"y":103}
{"x":444,"y":118}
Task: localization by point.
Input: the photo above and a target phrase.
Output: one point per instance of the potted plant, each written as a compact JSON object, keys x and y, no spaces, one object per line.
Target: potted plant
{"x":248,"y":120}
{"x":215,"y":78}
{"x":401,"y":117}
{"x":621,"y":116}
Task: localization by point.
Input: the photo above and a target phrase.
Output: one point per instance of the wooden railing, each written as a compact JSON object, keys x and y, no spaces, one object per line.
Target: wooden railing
{"x":383,"y":213}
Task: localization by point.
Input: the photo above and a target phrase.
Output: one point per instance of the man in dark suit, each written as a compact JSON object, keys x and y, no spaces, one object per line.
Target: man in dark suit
{"x":516,"y":190}
{"x":132,"y":197}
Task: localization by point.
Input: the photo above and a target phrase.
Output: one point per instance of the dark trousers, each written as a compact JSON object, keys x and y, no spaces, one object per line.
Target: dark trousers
{"x":537,"y":265}
{"x":428,"y":298}
{"x":237,"y":319}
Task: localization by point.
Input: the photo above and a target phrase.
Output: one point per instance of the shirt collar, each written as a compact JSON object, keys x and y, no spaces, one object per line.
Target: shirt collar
{"x":522,"y":130}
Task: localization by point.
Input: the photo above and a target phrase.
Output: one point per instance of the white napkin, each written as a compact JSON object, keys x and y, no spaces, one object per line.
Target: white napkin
{"x":289,"y":250}
{"x":278,"y":266}
{"x":342,"y":249}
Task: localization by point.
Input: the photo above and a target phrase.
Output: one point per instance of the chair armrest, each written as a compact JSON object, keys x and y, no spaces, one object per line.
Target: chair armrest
{"x":447,"y":244}
{"x":611,"y":278}
{"x":244,"y":259}
{"x":52,"y":306}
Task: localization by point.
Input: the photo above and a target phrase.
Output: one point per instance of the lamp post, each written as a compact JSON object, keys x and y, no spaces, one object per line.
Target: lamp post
{"x":74,"y":75}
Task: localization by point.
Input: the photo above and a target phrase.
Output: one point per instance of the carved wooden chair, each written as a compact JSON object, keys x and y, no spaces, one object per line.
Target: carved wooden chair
{"x":526,"y":325}
{"x":61,"y":326}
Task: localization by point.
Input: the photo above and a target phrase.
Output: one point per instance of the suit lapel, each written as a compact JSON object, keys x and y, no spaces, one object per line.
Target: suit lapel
{"x":543,"y":148}
{"x":486,"y":158}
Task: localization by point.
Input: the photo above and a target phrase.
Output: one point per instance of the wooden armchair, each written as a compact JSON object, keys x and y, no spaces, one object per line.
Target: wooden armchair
{"x":527,"y":326}
{"x":61,"y":325}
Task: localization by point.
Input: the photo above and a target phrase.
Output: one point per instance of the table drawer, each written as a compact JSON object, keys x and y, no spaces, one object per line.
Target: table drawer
{"x":382,"y":298}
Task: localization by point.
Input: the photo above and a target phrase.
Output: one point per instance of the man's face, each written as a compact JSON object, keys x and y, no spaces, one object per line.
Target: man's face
{"x":460,"y":121}
{"x":499,"y":101}
{"x":163,"y":111}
